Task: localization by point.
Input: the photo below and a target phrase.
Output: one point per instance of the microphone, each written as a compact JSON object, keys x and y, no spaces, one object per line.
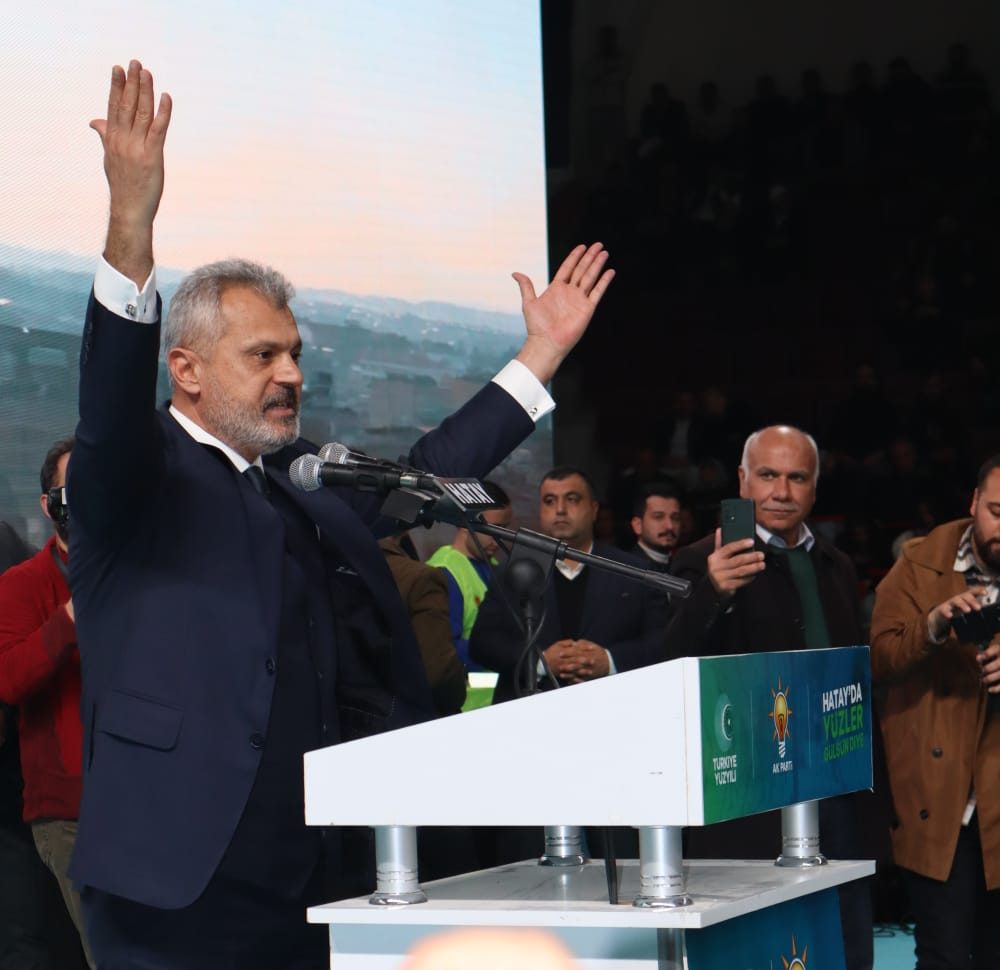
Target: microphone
{"x":337,"y":453}
{"x":310,"y":472}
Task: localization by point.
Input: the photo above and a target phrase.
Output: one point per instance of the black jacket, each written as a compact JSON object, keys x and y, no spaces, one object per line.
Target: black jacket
{"x":765,"y":615}
{"x":620,"y":614}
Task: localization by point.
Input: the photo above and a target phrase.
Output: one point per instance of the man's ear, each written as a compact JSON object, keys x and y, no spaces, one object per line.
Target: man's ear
{"x":43,"y":501}
{"x":975,"y":503}
{"x":636,"y":524}
{"x":742,"y":476}
{"x":184,"y":366}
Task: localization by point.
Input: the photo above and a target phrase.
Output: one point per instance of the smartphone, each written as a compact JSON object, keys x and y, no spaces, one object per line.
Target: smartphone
{"x":738,"y":520}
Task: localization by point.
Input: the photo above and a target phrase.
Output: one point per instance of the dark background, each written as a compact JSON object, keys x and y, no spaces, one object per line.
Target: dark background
{"x":823,"y":254}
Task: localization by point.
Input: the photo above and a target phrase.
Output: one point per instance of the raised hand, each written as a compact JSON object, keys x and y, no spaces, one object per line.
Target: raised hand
{"x":133,"y":138}
{"x":557,"y":319}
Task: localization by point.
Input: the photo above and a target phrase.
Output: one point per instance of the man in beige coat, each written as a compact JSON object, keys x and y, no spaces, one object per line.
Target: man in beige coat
{"x":941,"y":725}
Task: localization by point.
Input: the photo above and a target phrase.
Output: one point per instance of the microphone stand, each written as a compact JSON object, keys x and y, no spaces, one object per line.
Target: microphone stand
{"x":531,"y":556}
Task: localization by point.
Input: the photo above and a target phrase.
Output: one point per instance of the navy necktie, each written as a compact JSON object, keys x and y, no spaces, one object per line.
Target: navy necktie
{"x":255,"y":475}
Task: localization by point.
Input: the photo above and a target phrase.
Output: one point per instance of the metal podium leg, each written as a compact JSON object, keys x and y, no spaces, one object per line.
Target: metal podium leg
{"x":800,"y":837}
{"x":396,"y":880}
{"x":670,"y":950}
{"x":661,"y":868}
{"x":563,"y":846}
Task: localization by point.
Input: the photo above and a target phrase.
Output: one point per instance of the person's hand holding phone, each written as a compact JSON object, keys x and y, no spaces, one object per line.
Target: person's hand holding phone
{"x":734,"y":562}
{"x":734,"y":565}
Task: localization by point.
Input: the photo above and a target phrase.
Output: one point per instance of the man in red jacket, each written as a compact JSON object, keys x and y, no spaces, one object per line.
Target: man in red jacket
{"x":40,"y":675}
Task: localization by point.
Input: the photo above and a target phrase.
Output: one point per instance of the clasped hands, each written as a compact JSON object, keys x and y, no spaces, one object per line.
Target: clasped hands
{"x":577,"y":660}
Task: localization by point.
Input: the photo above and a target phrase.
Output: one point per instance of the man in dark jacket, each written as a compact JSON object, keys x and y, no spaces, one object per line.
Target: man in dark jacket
{"x":786,"y":589}
{"x":656,"y":525}
{"x":595,"y":623}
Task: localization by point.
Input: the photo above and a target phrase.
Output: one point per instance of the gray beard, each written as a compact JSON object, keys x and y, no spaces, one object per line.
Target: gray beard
{"x":246,"y":430}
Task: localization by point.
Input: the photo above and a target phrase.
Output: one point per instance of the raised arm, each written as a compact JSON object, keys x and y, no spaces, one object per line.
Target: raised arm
{"x":133,"y":138}
{"x":118,"y":355}
{"x":557,"y":319}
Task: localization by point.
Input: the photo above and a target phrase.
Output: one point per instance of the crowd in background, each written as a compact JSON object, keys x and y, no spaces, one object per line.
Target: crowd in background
{"x":820,"y":257}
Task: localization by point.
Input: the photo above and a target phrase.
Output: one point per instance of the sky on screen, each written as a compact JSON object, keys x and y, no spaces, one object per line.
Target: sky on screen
{"x":391,"y":148}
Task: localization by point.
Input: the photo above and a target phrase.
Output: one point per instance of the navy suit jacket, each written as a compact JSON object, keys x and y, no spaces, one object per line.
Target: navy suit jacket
{"x":619,"y":614}
{"x":176,"y":582}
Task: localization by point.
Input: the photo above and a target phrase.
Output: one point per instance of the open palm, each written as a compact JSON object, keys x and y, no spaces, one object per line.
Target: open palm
{"x":557,"y":319}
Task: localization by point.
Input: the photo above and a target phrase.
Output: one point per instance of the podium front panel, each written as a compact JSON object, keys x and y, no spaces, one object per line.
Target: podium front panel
{"x":781,"y":728}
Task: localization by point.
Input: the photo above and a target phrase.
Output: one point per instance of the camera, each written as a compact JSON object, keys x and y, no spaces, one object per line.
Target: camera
{"x":978,"y":626}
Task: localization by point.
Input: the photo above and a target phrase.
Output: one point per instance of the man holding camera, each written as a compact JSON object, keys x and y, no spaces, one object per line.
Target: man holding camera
{"x":936,"y":648}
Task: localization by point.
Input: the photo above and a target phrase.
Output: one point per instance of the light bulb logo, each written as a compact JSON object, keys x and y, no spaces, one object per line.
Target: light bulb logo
{"x":796,"y":962}
{"x":780,"y":713}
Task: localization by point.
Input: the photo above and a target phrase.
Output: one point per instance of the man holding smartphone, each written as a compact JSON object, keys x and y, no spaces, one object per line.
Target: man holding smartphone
{"x":942,"y":730}
{"x":779,"y":588}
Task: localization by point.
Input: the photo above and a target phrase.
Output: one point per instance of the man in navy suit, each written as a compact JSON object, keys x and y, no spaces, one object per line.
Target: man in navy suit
{"x":595,"y":623}
{"x":227,"y":621}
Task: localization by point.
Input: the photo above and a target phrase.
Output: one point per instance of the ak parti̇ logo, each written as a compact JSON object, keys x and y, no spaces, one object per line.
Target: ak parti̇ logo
{"x":780,"y":713}
{"x":795,"y":962}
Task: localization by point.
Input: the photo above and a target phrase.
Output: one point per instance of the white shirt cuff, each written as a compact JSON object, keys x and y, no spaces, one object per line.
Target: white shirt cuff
{"x":122,"y":297}
{"x":526,"y":389}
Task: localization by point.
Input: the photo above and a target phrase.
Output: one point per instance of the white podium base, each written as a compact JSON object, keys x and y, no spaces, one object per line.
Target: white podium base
{"x":572,"y":903}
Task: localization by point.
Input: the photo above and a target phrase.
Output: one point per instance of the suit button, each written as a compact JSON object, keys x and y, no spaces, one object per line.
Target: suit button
{"x":256,"y":741}
{"x":936,"y":753}
{"x":924,"y":814}
{"x":269,"y":665}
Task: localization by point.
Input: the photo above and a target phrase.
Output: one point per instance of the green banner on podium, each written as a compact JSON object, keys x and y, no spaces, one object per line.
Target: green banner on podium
{"x":780,"y":728}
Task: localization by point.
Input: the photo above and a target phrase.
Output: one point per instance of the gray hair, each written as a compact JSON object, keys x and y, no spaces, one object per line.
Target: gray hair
{"x":752,"y":440}
{"x":194,"y":320}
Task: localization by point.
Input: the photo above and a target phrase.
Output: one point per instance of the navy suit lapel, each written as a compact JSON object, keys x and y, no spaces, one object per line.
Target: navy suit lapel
{"x":341,"y":528}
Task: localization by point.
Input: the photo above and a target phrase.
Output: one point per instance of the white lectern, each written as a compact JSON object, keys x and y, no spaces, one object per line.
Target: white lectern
{"x":688,"y":742}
